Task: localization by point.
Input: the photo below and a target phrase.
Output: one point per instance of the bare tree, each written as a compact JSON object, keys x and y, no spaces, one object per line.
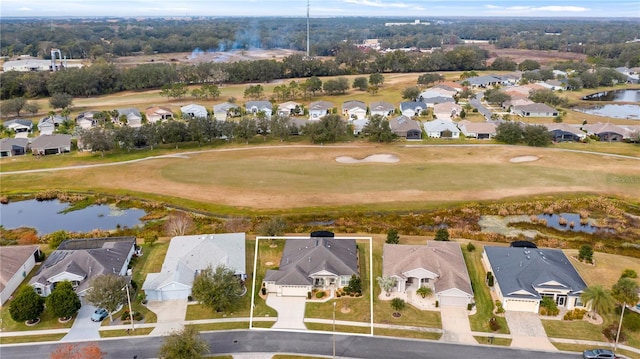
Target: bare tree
{"x":178,"y":224}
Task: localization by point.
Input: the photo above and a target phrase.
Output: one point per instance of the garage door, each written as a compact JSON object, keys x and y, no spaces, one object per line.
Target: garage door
{"x":453,"y":301}
{"x":174,"y":294}
{"x":520,"y":305}
{"x":294,"y":291}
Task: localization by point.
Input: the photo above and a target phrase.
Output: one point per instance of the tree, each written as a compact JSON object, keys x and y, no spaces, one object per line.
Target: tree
{"x":63,"y":300}
{"x":503,"y":64}
{"x":548,"y":97}
{"x":355,"y":285}
{"x":107,"y":291}
{"x":410,"y":93}
{"x":330,"y":128}
{"x":429,"y":78}
{"x":61,"y":100}
{"x":13,"y":105}
{"x":379,"y":130}
{"x":625,"y":291}
{"x":397,"y":304}
{"x":509,"y":132}
{"x":97,"y":139}
{"x":27,"y":305}
{"x":245,"y":129}
{"x":586,"y":253}
{"x":629,"y":273}
{"x":218,"y":289}
{"x":184,"y":344}
{"x":178,"y":224}
{"x":387,"y":284}
{"x":336,"y":86}
{"x":313,"y":85}
{"x":598,"y":298}
{"x":32,"y":107}
{"x":442,"y":234}
{"x":55,"y":238}
{"x":175,"y":91}
{"x":275,"y":226}
{"x":361,"y":83}
{"x":496,"y":97}
{"x":537,"y":136}
{"x":528,"y":65}
{"x":255,"y":92}
{"x":71,"y":351}
{"x":424,"y":291}
{"x":392,"y":236}
{"x":376,"y":79}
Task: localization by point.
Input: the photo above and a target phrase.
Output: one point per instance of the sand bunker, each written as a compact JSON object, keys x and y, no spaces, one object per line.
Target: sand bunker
{"x":524,"y":159}
{"x":385,"y":158}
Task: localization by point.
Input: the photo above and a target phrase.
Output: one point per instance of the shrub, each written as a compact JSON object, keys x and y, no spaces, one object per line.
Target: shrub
{"x":264,"y":291}
{"x":550,"y":306}
{"x":319,"y":295}
{"x":489,"y":279}
{"x":576,"y":314}
{"x":471,"y":247}
{"x":611,"y":331}
{"x":499,"y":307}
{"x":629,"y":273}
{"x":308,"y":295}
{"x":631,"y":321}
{"x":470,"y":306}
{"x":437,"y":304}
{"x":125,"y":316}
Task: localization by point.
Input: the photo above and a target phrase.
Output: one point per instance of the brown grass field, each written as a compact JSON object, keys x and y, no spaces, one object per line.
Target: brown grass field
{"x":304,"y":176}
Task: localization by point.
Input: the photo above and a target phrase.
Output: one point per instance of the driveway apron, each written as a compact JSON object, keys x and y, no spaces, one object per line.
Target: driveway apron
{"x":170,"y":313}
{"x":527,"y":331}
{"x":290,"y":311}
{"x":455,"y":326}
{"x":83,"y":328}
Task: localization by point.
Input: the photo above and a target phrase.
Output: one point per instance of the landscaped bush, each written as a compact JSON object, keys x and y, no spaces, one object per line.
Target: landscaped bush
{"x":319,"y":295}
{"x":471,"y":247}
{"x":308,"y":295}
{"x":125,"y":316}
{"x":631,"y":321}
{"x":611,"y":331}
{"x":549,"y":307}
{"x":499,"y":307}
{"x":576,"y":314}
{"x":490,"y":279}
{"x":494,"y":325}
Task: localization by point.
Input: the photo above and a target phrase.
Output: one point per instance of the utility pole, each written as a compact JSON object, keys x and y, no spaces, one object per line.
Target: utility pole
{"x":308,"y":5}
{"x":334,"y":330}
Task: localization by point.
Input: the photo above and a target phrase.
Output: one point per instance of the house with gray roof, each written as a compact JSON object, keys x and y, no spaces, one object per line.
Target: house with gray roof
{"x":440,"y":128}
{"x":406,"y":127}
{"x":523,"y":276}
{"x":255,"y":107}
{"x":85,"y":120}
{"x":412,"y":108}
{"x":354,"y":109}
{"x":10,"y":147}
{"x":47,"y":125}
{"x":51,"y":144}
{"x":16,"y":262}
{"x":439,"y":265}
{"x":132,"y":117}
{"x":315,"y":262}
{"x":187,"y":256}
{"x":19,"y":125}
{"x":484,"y":81}
{"x":381,"y":108}
{"x":563,"y":132}
{"x":479,"y":130}
{"x":81,"y":260}
{"x":222,"y":111}
{"x":319,"y":109}
{"x":290,"y":108}
{"x":535,"y":110}
{"x":607,"y":131}
{"x":193,"y":111}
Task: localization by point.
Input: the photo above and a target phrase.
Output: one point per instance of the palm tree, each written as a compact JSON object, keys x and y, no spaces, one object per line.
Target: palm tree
{"x":424,"y":291}
{"x":397,"y":304}
{"x":601,"y":299}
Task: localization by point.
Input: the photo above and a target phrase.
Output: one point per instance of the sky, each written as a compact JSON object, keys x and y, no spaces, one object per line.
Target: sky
{"x":418,"y":9}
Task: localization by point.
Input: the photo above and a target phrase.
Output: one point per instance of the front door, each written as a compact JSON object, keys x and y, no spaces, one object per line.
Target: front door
{"x":561,"y":300}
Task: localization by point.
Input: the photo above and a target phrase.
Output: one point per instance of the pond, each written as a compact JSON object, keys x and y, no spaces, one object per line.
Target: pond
{"x":50,"y":216}
{"x":626,"y":111}
{"x":553,"y":221}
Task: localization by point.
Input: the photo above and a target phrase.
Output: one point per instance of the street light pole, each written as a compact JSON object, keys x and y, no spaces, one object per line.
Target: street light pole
{"x":126,"y":287}
{"x":334,"y":330}
{"x":615,"y":346}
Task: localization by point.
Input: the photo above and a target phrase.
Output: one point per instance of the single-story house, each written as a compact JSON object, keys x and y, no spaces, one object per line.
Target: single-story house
{"x":81,"y":260}
{"x":483,"y":81}
{"x":381,"y":108}
{"x":511,"y":78}
{"x":450,"y":85}
{"x":17,"y":262}
{"x":290,"y":108}
{"x":412,"y":108}
{"x":555,"y":85}
{"x":222,"y":111}
{"x":19,"y":125}
{"x":358,"y":125}
{"x":187,"y":256}
{"x":51,"y":144}
{"x":85,"y":120}
{"x":193,"y":111}
{"x":130,"y":116}
{"x":432,"y":101}
{"x":607,"y":131}
{"x":315,"y":262}
{"x":535,"y":110}
{"x":562,"y":132}
{"x":47,"y":125}
{"x":10,"y":147}
{"x":406,"y":127}
{"x":158,"y":113}
{"x":319,"y":109}
{"x":435,"y":92}
{"x":354,"y":109}
{"x":438,"y":265}
{"x":447,"y":110}
{"x":479,"y":130}
{"x":255,"y":107}
{"x":441,"y":129}
{"x":515,"y":102}
{"x":523,"y":276}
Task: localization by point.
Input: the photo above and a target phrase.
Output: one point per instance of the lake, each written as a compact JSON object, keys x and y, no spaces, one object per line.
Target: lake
{"x":553,"y":221}
{"x":48,"y":216}
{"x":625,"y":111}
{"x":615,"y":96}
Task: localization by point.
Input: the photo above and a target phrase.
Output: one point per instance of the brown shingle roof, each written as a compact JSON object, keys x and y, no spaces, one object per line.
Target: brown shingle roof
{"x":11,"y":260}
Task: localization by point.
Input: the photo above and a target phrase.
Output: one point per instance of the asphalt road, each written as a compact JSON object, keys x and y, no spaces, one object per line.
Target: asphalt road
{"x":245,"y":341}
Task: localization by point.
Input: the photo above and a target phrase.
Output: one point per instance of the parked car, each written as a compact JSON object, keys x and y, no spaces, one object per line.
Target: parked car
{"x":598,"y":354}
{"x":99,"y":314}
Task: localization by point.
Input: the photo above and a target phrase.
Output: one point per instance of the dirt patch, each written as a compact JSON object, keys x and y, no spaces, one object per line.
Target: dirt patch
{"x":382,"y":158}
{"x":205,"y":56}
{"x":524,"y":159}
{"x":269,"y":264}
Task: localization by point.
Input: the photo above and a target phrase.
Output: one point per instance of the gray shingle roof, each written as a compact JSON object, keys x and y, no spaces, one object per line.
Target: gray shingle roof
{"x":12,"y":258}
{"x":522,"y":269}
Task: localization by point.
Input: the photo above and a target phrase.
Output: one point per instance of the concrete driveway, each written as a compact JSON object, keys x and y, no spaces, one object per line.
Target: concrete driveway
{"x":171,"y":314}
{"x":290,"y":311}
{"x":455,"y":326}
{"x":527,"y":331}
{"x":83,"y":328}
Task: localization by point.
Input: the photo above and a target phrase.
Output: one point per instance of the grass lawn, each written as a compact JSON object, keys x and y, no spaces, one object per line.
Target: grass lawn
{"x":339,"y":328}
{"x":607,"y":268}
{"x":150,"y":262}
{"x":32,"y":338}
{"x":406,"y":334}
{"x":484,"y":304}
{"x":580,"y":329}
{"x":47,"y":321}
{"x":124,"y":333}
{"x":496,"y":341}
{"x":221,"y":326}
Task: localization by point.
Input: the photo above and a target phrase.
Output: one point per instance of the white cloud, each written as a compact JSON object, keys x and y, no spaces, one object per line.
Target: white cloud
{"x":25,"y":9}
{"x":533,"y":10}
{"x":377,"y":4}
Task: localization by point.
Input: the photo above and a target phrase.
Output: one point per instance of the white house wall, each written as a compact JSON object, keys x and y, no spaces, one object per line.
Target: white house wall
{"x":15,"y":281}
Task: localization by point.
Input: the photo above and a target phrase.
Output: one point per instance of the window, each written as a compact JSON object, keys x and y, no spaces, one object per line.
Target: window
{"x":344,"y":281}
{"x":579,"y":302}
{"x":39,"y":290}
